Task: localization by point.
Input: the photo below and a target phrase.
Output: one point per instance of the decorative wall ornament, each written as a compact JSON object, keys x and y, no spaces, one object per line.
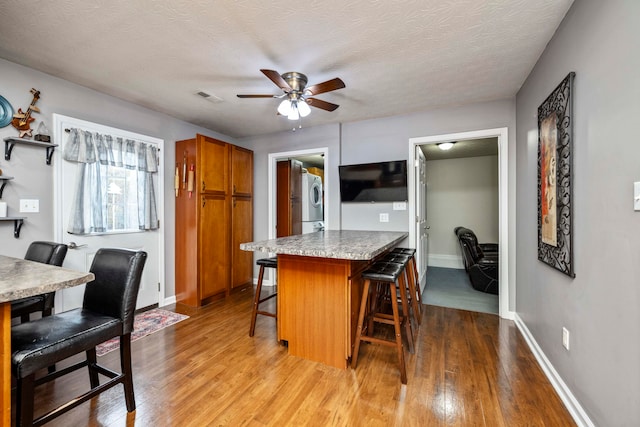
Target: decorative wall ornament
{"x":42,"y":134}
{"x":22,"y":120}
{"x":6,"y":112}
{"x":555,"y":208}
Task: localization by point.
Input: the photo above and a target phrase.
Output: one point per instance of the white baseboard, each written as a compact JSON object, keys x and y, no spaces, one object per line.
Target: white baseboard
{"x":446,"y":261}
{"x":573,"y":406}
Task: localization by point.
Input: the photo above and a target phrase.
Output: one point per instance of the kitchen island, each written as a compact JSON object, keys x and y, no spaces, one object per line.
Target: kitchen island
{"x":319,"y":288}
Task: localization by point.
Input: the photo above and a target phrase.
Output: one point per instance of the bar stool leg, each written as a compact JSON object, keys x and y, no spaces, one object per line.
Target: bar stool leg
{"x":405,"y":309}
{"x":415,"y":304}
{"x":396,"y":325}
{"x":256,"y":302}
{"x":363,"y":307}
{"x":413,"y":263}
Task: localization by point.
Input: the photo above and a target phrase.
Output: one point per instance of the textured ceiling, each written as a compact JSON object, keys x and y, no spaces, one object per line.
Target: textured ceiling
{"x":394,"y":56}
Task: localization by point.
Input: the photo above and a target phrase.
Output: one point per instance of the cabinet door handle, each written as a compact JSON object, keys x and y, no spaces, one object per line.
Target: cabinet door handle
{"x":203,"y":186}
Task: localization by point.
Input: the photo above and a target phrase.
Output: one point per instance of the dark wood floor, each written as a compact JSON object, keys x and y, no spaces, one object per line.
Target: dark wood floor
{"x":469,"y":369}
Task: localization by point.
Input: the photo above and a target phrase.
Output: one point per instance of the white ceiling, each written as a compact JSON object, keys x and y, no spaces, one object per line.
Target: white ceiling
{"x":394,"y":56}
{"x":466,"y":148}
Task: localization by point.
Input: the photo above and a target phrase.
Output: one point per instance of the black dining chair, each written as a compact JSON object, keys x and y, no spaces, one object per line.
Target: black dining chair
{"x":47,"y":253}
{"x":107,"y":312}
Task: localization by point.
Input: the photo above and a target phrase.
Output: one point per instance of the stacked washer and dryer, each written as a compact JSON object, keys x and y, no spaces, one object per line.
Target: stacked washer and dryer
{"x":312,"y":212}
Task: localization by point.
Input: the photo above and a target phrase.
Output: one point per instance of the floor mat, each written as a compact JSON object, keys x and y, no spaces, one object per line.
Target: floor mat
{"x":144,"y":324}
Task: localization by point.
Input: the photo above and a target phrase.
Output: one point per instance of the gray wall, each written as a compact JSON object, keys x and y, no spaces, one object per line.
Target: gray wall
{"x":460,"y":192}
{"x":33,"y":178}
{"x":601,"y":306}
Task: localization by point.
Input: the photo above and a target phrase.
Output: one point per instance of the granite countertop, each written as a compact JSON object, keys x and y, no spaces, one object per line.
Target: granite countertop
{"x":20,"y":278}
{"x":340,"y":244}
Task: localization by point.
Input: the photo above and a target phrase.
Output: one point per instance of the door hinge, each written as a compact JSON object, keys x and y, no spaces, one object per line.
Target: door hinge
{"x":158,"y":286}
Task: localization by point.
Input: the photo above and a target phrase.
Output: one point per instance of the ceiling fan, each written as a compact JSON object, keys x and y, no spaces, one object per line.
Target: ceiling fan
{"x":297,"y":96}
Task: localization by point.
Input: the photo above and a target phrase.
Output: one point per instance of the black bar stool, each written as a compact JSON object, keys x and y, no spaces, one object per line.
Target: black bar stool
{"x":384,"y":273}
{"x":413,"y":266}
{"x":407,"y":271}
{"x":263,"y":263}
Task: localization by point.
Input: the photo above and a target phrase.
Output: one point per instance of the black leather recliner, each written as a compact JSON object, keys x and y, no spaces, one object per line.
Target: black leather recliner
{"x":107,"y":312}
{"x":47,"y":253}
{"x":480,"y":261}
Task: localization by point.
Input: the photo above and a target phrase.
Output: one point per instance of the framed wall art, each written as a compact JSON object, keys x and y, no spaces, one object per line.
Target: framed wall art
{"x":555,"y":212}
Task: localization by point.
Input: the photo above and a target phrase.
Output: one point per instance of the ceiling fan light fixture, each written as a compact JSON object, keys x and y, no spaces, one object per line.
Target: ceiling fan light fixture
{"x":285,"y":107}
{"x":294,"y":114}
{"x":303,"y":108}
{"x":446,"y":145}
{"x":295,"y":105}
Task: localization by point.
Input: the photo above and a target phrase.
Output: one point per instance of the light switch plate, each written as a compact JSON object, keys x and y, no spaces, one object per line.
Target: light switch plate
{"x":30,"y":205}
{"x":384,"y":217}
{"x":636,"y":196}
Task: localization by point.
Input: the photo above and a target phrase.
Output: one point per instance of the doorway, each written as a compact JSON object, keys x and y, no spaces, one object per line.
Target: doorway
{"x":501,"y":135}
{"x":313,"y":161}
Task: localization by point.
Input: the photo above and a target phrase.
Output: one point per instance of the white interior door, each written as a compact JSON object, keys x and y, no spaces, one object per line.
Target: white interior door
{"x":422,"y":229}
{"x":82,"y":248}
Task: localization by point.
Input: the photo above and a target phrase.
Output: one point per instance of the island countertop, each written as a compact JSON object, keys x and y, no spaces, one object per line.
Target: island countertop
{"x":339,"y":244}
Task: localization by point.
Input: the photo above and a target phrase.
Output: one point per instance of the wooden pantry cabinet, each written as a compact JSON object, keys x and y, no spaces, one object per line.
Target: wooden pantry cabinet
{"x":212,"y":219}
{"x":241,"y":216}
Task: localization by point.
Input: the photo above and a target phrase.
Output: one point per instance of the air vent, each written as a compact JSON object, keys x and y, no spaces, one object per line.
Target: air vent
{"x":209,"y":97}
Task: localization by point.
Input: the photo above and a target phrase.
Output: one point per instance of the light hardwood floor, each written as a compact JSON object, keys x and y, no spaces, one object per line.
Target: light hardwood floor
{"x":469,"y":369}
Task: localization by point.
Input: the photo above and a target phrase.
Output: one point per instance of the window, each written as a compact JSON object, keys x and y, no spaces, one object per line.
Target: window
{"x":115,"y":188}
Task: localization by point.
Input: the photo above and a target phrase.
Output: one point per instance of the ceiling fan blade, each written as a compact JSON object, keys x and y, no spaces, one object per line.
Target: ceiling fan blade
{"x":323,"y":87}
{"x":256,"y":96}
{"x":318,"y":103}
{"x":275,"y":77}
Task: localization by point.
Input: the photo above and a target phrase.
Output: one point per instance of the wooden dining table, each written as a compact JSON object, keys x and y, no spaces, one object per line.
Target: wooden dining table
{"x":20,"y":278}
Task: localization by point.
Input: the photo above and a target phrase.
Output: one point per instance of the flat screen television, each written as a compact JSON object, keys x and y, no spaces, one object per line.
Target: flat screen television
{"x":374,"y":182}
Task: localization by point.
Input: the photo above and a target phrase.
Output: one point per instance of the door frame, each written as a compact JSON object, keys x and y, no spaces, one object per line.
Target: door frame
{"x":58,"y":221}
{"x":273,"y":159}
{"x":503,"y":200}
{"x":422,"y":269}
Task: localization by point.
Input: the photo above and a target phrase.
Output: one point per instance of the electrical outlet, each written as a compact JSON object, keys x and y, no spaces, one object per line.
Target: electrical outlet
{"x":384,"y":217}
{"x":29,"y":205}
{"x":565,"y":338}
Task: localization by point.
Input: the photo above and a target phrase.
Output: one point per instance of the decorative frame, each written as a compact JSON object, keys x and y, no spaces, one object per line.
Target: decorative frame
{"x":555,"y":207}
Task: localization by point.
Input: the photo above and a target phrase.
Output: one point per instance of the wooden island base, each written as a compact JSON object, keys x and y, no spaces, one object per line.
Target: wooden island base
{"x":318,"y":306}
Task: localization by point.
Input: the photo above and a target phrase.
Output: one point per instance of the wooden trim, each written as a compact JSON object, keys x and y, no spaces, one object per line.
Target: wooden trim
{"x":5,"y":372}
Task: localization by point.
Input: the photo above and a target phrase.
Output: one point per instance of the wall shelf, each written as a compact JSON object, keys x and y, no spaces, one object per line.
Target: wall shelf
{"x":10,"y":142}
{"x":17,"y":224}
{"x":3,"y":182}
